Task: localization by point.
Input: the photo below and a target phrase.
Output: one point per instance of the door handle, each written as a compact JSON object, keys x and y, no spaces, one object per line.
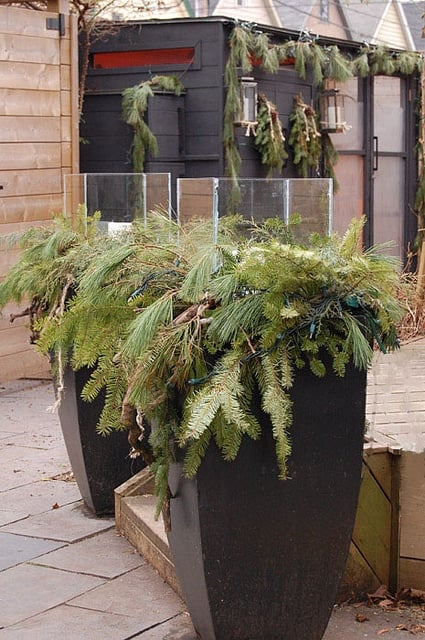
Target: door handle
{"x":375,"y":153}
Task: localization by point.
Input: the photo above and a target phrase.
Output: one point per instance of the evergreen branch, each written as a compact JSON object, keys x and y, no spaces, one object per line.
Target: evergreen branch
{"x":243,"y":315}
{"x":145,"y":327}
{"x":134,"y":104}
{"x":277,"y":404}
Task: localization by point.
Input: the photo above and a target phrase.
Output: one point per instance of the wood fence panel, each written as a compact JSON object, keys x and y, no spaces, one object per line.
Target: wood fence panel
{"x":30,"y":155}
{"x":29,"y":209}
{"x":31,"y":182}
{"x":26,"y":75}
{"x":24,"y":102}
{"x":369,"y":561}
{"x":19,"y":48}
{"x":38,"y":142}
{"x":30,"y":129}
{"x":27,"y":23}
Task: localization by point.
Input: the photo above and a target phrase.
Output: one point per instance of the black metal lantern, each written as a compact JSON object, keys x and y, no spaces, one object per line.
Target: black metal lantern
{"x":332,"y":110}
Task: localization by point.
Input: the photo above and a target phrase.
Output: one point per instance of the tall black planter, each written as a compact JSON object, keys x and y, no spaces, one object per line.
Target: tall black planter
{"x":100,"y":464}
{"x":259,"y":558}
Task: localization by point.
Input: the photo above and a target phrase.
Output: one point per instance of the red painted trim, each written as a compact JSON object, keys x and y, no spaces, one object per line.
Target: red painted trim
{"x":146,"y":58}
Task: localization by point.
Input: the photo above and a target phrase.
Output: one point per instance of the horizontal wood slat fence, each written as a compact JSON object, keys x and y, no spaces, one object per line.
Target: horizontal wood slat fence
{"x":38,"y":143}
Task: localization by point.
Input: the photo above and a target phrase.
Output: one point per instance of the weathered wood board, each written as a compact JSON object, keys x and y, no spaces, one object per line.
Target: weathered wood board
{"x":38,"y":143}
{"x":372,"y":553}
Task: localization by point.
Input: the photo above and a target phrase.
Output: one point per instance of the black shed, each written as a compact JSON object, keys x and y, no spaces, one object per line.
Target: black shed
{"x":376,"y":168}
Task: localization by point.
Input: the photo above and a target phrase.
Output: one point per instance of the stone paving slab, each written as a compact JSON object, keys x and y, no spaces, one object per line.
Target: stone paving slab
{"x":38,"y":497}
{"x":21,"y":466}
{"x":42,"y":438}
{"x":5,"y":435}
{"x":106,"y":555}
{"x":70,"y":523}
{"x":141,"y":593}
{"x":16,"y":549}
{"x":8,"y":516}
{"x":23,"y":416}
{"x":65,"y":623}
{"x":378,"y":623}
{"x":344,"y":625}
{"x":178,"y":628}
{"x":27,"y":590}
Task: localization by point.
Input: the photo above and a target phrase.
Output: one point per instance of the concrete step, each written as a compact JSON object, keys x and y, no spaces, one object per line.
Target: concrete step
{"x":135,"y":507}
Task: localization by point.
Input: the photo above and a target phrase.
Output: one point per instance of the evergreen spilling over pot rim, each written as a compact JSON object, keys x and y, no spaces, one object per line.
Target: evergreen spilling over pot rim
{"x":180,"y":331}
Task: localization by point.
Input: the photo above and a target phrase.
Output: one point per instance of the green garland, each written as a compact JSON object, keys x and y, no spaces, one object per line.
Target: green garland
{"x":134,"y":105}
{"x":269,"y":138}
{"x":324,"y":62}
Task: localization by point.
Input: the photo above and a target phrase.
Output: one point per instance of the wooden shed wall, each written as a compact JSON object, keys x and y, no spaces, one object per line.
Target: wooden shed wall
{"x":188,"y":129}
{"x":38,"y":144}
{"x":110,"y":139}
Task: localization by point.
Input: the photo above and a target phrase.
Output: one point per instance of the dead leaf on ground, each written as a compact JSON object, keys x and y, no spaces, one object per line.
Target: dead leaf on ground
{"x":411,"y":595}
{"x":414,"y":629}
{"x":382,"y":631}
{"x":381,"y":593}
{"x":67,"y":476}
{"x":360,"y":617}
{"x":55,"y":506}
{"x":387,"y":604}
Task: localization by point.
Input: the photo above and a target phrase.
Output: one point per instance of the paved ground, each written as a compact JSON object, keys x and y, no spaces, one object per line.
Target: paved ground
{"x":67,"y":575}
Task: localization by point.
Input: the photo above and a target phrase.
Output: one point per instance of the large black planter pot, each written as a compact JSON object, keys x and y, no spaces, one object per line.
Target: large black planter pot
{"x":99,"y":463}
{"x":259,"y":558}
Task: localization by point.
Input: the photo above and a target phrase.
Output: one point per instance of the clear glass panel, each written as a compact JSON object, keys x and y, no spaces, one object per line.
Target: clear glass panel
{"x":349,"y":199}
{"x":74,"y":192}
{"x":157,"y":192}
{"x":312,"y":199}
{"x":388,"y":113}
{"x":389,"y":210}
{"x":258,"y":199}
{"x":120,"y":197}
{"x":195,"y":198}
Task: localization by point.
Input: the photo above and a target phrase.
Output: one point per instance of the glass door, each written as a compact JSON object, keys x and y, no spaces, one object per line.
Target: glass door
{"x":389,"y":155}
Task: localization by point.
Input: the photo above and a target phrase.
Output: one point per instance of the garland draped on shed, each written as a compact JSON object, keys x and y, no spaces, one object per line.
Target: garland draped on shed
{"x":249,"y":48}
{"x":134,"y":105}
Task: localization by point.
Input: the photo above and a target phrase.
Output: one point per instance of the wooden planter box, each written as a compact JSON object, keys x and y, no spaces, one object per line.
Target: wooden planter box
{"x":374,"y":551}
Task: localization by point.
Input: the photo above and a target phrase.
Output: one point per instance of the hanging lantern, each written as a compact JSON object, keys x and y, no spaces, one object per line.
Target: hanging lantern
{"x":332,"y":110}
{"x":249,"y":99}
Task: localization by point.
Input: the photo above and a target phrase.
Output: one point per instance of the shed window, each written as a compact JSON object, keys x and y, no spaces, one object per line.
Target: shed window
{"x":145,"y":58}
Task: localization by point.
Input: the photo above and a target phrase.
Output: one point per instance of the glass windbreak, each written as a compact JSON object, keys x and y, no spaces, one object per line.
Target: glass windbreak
{"x":311,"y":201}
{"x":308,"y":201}
{"x":120,"y":197}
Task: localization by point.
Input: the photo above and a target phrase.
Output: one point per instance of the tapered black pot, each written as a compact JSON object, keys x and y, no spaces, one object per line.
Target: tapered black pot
{"x":99,"y":463}
{"x":259,"y":558}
